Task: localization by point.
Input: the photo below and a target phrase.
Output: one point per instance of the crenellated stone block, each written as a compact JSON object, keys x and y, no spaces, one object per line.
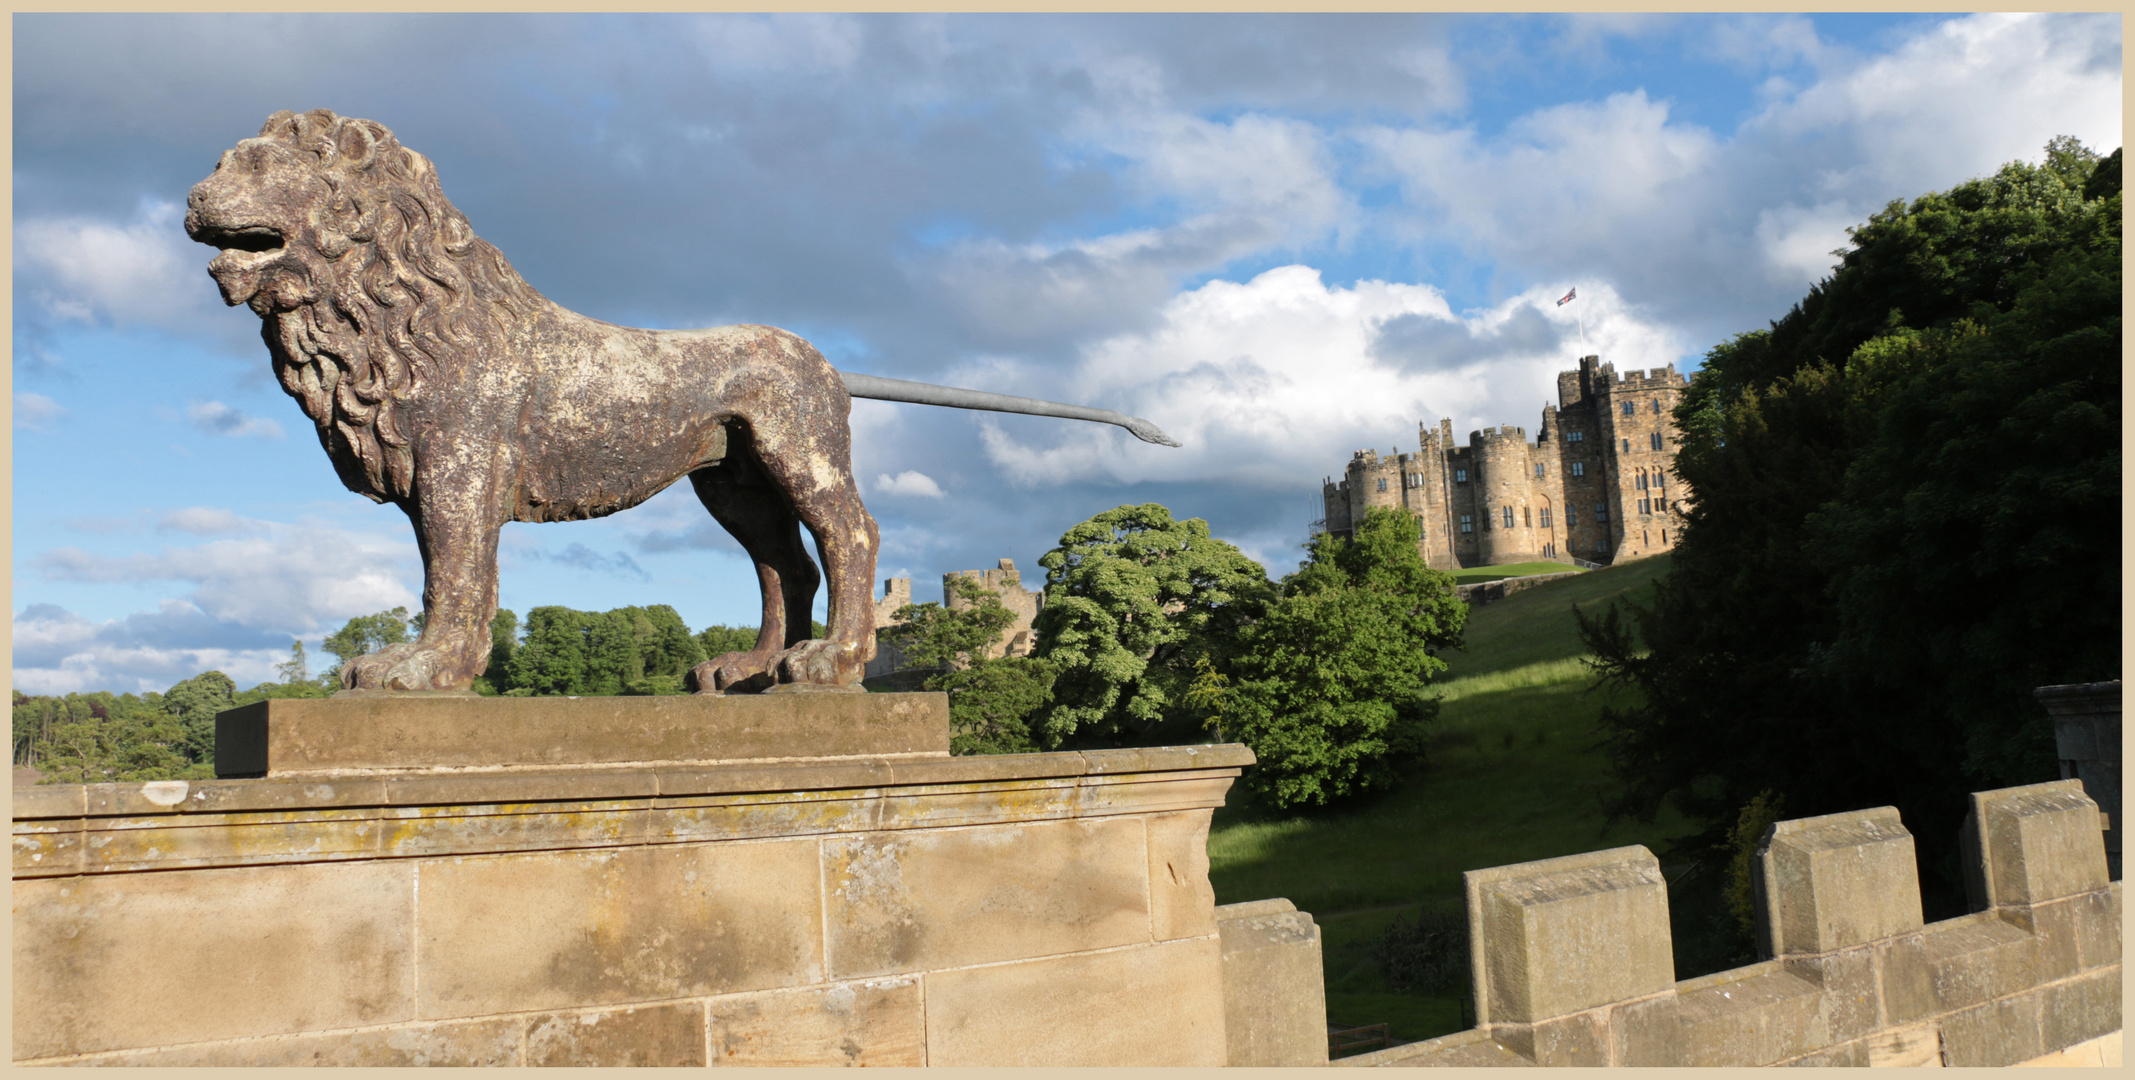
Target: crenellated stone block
{"x":1274,"y":995}
{"x":1559,"y":936}
{"x":1835,"y":881}
{"x":2028,"y":845}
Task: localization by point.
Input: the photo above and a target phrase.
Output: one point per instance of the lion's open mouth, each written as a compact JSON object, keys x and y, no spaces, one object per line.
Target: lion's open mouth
{"x":253,"y":238}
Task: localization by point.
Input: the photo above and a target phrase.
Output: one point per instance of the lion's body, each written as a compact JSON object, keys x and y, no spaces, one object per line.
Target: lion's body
{"x":441,"y":382}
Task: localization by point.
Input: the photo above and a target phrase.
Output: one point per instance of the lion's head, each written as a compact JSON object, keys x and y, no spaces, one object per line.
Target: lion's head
{"x":341,"y":240}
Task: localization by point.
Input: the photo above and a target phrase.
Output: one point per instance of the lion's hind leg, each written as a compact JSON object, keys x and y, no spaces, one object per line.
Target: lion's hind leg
{"x":814,"y":471}
{"x":759,"y":518}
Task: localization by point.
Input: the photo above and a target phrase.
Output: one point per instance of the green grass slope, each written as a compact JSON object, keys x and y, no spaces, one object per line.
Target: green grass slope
{"x":1512,"y":775}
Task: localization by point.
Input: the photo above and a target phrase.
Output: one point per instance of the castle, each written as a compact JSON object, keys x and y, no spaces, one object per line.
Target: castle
{"x":1594,"y":487}
{"x":1005,"y":581}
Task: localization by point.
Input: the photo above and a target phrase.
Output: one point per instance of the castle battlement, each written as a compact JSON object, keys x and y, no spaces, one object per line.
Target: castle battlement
{"x":1571,"y":961}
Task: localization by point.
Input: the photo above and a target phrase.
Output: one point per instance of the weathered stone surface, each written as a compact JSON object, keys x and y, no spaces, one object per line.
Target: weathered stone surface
{"x":2036,"y":843}
{"x":1561,"y":935}
{"x":2080,"y":1009}
{"x":1578,"y":1040}
{"x":1998,"y":1033}
{"x":656,"y":1035}
{"x":2102,"y":1052}
{"x":1918,"y":1046}
{"x":558,"y":930}
{"x":1749,"y":1016}
{"x":299,"y":737}
{"x":1074,"y":1010}
{"x":493,"y":1041}
{"x":1978,"y":958}
{"x":124,"y":961}
{"x":1838,"y":880}
{"x":881,"y":1022}
{"x":1274,"y":994}
{"x":1181,"y":901}
{"x":1473,"y":1048}
{"x":922,"y":900}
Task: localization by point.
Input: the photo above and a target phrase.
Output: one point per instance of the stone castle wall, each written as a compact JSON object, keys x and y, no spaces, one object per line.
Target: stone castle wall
{"x":1004,"y":581}
{"x":1572,"y":964}
{"x":1596,"y":483}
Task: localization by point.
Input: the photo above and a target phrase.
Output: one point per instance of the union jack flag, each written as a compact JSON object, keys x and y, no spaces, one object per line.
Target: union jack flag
{"x":1568,"y":297}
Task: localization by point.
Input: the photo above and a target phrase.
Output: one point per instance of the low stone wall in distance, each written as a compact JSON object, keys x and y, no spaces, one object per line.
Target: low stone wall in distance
{"x":1488,"y":591}
{"x":1572,"y":963}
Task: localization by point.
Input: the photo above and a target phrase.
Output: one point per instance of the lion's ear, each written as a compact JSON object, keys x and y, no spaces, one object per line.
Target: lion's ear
{"x":357,"y":143}
{"x":281,"y":122}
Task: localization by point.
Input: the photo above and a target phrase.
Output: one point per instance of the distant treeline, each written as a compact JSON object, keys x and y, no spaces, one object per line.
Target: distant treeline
{"x":103,"y":737}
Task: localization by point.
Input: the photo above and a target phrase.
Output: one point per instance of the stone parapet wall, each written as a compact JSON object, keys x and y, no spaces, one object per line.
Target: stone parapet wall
{"x":905,"y":910}
{"x":1489,"y":591}
{"x":1572,"y":963}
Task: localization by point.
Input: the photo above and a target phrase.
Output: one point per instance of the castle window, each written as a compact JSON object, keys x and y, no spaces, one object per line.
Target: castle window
{"x":1527,"y":517}
{"x":1571,"y":516}
{"x":1460,"y":476}
{"x":1630,"y":408}
{"x":1508,"y":517}
{"x":1575,"y":436}
{"x":1545,"y":517}
{"x":1656,"y":406}
{"x":1415,"y":479}
{"x":1656,"y":439}
{"x":1382,"y":483}
{"x":1601,"y":512}
{"x":1578,"y":468}
{"x":1664,"y":536}
{"x":1641,"y":479}
{"x":1627,"y":446}
{"x":1541,"y":470}
{"x":1467,"y":524}
{"x":1645,"y":506}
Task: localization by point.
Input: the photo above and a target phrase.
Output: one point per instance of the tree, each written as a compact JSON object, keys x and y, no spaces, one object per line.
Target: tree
{"x":298,"y":667}
{"x":991,"y":703}
{"x":936,"y":636}
{"x":193,"y":704}
{"x":1330,"y":686}
{"x":1906,"y":517}
{"x":1131,"y":597}
{"x":365,"y":634}
{"x":553,"y":658}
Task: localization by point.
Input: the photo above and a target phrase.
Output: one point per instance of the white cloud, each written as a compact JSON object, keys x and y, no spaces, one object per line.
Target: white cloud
{"x":36,"y":412}
{"x":58,"y":652}
{"x":1272,"y":382}
{"x":216,"y":418}
{"x":908,"y":482}
{"x":209,"y":521}
{"x":290,"y":579}
{"x":84,"y":268}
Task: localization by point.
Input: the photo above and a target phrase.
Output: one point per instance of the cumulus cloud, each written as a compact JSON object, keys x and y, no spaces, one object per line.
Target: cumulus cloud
{"x":287,"y":578}
{"x":58,"y":652}
{"x":908,"y":482}
{"x":1271,"y":382}
{"x":88,"y":269}
{"x":36,"y":412}
{"x":216,"y":418}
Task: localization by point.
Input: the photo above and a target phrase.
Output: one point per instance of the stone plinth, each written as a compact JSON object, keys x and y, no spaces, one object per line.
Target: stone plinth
{"x":2086,"y":735}
{"x":1044,"y":909}
{"x":411,"y":732}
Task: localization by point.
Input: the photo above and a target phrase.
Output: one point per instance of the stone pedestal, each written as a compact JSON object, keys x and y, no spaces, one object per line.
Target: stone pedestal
{"x":892,"y":907}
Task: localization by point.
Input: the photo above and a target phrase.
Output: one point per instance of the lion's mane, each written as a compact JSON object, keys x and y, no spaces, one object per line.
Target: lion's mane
{"x":400,"y":283}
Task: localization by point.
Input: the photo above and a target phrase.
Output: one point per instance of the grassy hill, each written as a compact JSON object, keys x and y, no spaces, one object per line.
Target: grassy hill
{"x":1512,"y":775}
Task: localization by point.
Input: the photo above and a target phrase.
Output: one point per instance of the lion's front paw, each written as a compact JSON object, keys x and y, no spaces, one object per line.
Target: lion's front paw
{"x":397,"y":667}
{"x":730,"y":673}
{"x":822,"y":663}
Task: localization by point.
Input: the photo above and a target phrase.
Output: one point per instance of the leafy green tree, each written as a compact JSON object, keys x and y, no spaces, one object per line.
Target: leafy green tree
{"x":1131,"y":597}
{"x":1906,"y":516}
{"x":194,"y":703}
{"x":1331,"y":684}
{"x":503,"y":644}
{"x":992,"y":701}
{"x":366,"y":634}
{"x":937,"y":636}
{"x":102,"y":738}
{"x":553,"y":659}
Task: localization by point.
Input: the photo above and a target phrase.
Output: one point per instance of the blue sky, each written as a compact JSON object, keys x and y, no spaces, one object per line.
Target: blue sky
{"x":1281,"y":238}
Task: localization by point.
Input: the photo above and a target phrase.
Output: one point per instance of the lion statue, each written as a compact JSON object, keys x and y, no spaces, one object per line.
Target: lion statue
{"x":443,"y":383}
